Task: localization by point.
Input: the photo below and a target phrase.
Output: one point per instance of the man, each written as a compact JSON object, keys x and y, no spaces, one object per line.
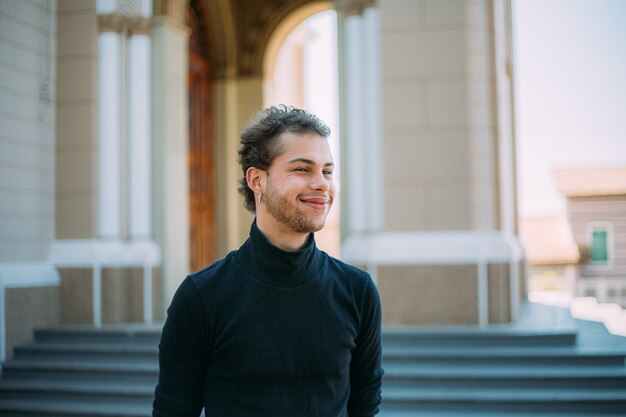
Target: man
{"x":277,"y":328}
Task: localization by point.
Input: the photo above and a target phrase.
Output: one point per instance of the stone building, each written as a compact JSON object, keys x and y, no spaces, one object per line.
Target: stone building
{"x":120,"y":125}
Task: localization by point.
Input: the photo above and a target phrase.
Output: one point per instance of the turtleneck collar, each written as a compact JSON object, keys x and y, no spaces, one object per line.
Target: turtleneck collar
{"x":276,"y":267}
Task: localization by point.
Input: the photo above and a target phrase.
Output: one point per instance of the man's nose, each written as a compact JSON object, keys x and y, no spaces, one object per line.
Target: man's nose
{"x":320,"y":182}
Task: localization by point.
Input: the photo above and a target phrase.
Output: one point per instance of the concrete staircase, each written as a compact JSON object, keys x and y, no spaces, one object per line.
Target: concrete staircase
{"x":499,"y":372}
{"x":82,"y":372}
{"x":507,"y":371}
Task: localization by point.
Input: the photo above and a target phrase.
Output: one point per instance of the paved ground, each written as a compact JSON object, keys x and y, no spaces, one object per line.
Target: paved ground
{"x":592,"y":335}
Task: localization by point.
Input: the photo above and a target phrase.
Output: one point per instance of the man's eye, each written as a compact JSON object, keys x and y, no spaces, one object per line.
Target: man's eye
{"x":328,"y":173}
{"x":302,"y":170}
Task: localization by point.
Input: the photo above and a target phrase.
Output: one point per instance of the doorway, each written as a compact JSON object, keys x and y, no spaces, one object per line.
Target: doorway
{"x":202,"y":181}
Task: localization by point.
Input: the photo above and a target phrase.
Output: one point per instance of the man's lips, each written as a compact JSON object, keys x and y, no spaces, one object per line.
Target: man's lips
{"x":316,"y":202}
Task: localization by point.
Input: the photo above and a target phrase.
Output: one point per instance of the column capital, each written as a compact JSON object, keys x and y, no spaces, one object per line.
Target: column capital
{"x":172,"y":13}
{"x":354,"y":7}
{"x":173,"y":9}
{"x":121,"y":23}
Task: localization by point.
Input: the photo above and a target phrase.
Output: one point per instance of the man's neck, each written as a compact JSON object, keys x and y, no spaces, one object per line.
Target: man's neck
{"x":281,"y":236}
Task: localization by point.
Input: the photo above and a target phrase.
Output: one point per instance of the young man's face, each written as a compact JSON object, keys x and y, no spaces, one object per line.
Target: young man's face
{"x":300,"y":188}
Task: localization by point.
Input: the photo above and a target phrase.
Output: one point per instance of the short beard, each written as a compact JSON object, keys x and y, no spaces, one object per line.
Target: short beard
{"x":279,"y":208}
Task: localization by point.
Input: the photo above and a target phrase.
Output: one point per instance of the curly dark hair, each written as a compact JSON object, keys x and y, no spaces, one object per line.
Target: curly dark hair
{"x":260,"y":144}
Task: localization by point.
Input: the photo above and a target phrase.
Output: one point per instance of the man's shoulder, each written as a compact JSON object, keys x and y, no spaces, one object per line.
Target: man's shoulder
{"x":356,"y":282}
{"x":218,"y":269}
{"x":348,"y":271}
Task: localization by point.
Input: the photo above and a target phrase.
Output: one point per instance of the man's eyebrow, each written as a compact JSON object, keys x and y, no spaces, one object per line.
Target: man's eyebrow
{"x":309,"y":162}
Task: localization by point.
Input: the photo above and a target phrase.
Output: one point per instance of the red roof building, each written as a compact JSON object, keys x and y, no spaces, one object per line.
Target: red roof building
{"x":596,"y":211}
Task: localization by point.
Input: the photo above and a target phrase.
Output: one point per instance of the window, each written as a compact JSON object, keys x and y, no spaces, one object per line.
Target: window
{"x":600,"y":243}
{"x":599,"y":246}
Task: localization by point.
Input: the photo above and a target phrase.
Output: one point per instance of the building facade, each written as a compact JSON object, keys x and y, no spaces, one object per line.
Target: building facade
{"x":596,"y":209}
{"x":121,"y":122}
{"x":552,"y":255}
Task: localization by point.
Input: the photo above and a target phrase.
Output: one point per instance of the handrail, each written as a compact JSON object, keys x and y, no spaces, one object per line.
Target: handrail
{"x":99,"y":254}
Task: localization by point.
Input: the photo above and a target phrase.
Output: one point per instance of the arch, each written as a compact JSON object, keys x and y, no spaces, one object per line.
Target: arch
{"x":223,"y":36}
{"x":221,"y":28}
{"x":308,"y":35}
{"x":258,"y":25}
{"x":284,"y":27}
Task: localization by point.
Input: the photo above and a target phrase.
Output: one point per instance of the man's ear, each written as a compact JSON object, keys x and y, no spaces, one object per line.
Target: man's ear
{"x":255,"y":178}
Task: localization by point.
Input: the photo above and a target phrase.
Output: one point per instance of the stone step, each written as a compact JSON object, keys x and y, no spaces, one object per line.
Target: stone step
{"x":490,"y":356}
{"x":391,"y":412}
{"x":64,"y":408}
{"x":498,"y":371}
{"x":467,"y":337}
{"x":135,"y":333}
{"x":86,"y":370}
{"x":72,"y":390}
{"x":82,"y":350}
{"x":424,"y":400}
{"x":505,"y":379}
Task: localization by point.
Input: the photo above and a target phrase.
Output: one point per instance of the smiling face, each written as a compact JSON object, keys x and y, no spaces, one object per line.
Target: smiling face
{"x":298,"y":186}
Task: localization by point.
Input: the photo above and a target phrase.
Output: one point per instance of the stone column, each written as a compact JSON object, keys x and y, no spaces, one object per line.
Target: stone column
{"x":446,"y":252}
{"x":139,"y":138}
{"x":359,"y":75}
{"x":238,"y":98}
{"x":170,"y":136}
{"x":110,"y":113}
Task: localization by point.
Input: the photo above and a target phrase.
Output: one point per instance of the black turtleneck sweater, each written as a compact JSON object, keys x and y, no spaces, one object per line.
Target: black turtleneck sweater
{"x":269,"y":333}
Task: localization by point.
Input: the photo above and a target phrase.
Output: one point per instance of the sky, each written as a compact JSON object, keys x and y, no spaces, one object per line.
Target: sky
{"x":570,"y":86}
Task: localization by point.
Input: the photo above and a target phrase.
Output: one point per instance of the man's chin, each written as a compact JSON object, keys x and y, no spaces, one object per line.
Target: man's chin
{"x":319,"y":225}
{"x":313,"y":227}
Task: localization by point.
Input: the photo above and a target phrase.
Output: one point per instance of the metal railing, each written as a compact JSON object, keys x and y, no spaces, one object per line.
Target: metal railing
{"x":99,"y":254}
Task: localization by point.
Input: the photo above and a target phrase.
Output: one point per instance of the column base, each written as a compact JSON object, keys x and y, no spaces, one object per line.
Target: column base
{"x":442,"y":278}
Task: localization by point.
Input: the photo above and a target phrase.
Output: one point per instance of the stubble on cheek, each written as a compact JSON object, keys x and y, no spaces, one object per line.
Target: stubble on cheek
{"x":289,"y":214}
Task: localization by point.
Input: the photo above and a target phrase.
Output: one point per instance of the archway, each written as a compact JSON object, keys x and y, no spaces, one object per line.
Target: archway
{"x":300,"y":69}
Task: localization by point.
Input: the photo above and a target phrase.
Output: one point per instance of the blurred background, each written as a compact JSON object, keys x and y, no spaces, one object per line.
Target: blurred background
{"x":481,"y":165}
{"x":481,"y":149}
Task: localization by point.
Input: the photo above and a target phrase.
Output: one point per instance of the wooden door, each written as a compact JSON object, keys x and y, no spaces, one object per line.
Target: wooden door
{"x":202,"y":181}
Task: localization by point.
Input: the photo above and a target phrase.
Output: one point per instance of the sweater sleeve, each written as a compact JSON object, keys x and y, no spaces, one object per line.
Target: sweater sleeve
{"x":365,"y":367}
{"x":183,"y":356}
